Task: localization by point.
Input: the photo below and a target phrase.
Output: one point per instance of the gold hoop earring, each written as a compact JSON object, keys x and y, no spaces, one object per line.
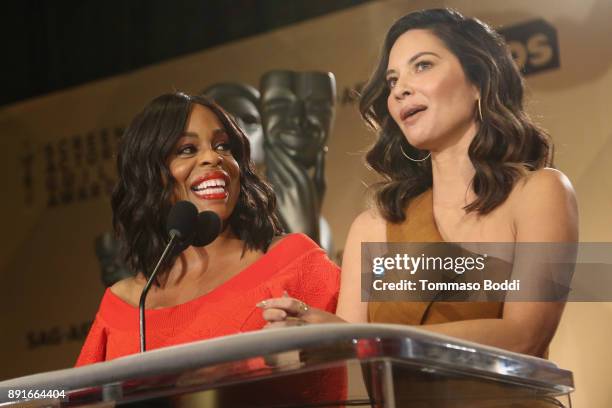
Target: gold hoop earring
{"x":479,"y":110}
{"x":414,"y":160}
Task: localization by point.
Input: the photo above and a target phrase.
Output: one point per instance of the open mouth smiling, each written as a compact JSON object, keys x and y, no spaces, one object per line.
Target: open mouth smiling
{"x":212,"y":186}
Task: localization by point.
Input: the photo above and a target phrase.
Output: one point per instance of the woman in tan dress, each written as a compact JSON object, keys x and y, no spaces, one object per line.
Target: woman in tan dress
{"x":461,"y":162}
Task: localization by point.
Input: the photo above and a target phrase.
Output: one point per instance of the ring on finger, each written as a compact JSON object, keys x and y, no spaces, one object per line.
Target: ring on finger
{"x":303,"y":308}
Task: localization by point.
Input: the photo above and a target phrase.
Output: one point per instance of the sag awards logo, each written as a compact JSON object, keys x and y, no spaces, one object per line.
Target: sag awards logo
{"x":534,"y":46}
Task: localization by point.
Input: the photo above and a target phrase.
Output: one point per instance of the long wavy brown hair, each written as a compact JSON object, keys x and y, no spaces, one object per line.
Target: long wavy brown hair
{"x":144,"y":191}
{"x":508,"y":143}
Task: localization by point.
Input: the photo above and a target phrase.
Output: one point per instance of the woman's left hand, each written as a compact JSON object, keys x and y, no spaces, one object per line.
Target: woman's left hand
{"x":287,"y":311}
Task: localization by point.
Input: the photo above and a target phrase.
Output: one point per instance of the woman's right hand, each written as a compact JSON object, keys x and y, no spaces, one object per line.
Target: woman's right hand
{"x":286,"y":311}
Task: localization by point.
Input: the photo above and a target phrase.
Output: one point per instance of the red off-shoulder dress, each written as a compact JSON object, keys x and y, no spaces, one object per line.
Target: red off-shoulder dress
{"x":296,"y":265}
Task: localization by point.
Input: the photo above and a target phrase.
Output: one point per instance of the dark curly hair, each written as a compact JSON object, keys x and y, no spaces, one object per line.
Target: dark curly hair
{"x":507,"y":145}
{"x":143,"y":195}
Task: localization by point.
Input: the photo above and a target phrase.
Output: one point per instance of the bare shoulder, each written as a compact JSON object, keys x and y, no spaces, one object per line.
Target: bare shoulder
{"x":369,"y":225}
{"x":127,"y":290}
{"x":545,"y":200}
{"x":546,"y":187}
{"x":546,"y":180}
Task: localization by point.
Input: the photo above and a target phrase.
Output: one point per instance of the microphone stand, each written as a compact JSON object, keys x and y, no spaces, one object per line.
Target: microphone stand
{"x":141,"y":306}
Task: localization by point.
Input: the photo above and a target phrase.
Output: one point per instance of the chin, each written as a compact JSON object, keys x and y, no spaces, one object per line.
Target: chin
{"x":218,"y":207}
{"x":419,"y":143}
{"x":423,"y":140}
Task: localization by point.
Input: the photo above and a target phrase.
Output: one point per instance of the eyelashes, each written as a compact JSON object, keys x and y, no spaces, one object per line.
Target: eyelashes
{"x":225,"y":146}
{"x":422,"y":65}
{"x":186,"y":150}
{"x":417,"y":67}
{"x":191,"y":149}
{"x":391,"y":82}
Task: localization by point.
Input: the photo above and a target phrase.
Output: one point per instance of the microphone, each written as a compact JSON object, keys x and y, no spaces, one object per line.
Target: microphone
{"x":181,"y":221}
{"x":181,"y":226}
{"x":208,"y":228}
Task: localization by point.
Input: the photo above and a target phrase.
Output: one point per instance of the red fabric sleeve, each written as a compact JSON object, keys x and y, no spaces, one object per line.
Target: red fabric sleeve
{"x":318,"y":281}
{"x":94,"y":349}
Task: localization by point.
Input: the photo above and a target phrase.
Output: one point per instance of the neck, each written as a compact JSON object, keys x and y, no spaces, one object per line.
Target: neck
{"x":193,"y":262}
{"x":452,"y":171}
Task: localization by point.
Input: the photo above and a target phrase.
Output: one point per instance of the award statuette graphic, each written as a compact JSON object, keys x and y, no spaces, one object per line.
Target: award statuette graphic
{"x":112,"y":268}
{"x":297,"y":110}
{"x":242,"y":102}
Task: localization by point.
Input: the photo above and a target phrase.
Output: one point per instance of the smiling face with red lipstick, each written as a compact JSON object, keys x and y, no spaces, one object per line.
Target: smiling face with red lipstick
{"x":185,"y":147}
{"x":205,"y":171}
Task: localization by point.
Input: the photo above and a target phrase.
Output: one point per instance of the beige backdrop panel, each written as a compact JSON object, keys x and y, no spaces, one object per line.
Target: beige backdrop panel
{"x":49,"y":271}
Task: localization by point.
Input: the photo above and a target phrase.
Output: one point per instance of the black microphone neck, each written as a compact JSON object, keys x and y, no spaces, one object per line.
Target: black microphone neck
{"x":185,"y":227}
{"x":143,"y":296}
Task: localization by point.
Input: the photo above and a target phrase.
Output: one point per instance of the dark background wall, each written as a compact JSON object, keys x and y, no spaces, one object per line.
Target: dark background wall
{"x":54,"y":44}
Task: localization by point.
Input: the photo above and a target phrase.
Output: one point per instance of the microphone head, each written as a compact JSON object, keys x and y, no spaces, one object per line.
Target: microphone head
{"x":182,"y":220}
{"x":208,"y":228}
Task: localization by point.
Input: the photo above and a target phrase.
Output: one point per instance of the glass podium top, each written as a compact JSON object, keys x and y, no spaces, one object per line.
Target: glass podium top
{"x":308,"y":366}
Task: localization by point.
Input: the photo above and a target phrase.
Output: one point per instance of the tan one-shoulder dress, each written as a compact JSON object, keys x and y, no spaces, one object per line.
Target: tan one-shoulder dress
{"x":415,"y":389}
{"x":420,"y":226}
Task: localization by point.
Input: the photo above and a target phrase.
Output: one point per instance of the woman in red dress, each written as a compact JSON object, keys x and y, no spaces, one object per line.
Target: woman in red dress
{"x":183,"y":147}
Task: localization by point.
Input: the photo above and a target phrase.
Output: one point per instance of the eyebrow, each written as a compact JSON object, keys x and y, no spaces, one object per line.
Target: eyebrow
{"x":414,"y":57}
{"x":216,"y":132}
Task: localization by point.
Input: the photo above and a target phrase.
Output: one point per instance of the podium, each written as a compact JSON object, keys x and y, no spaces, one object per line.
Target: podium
{"x":302,"y":367}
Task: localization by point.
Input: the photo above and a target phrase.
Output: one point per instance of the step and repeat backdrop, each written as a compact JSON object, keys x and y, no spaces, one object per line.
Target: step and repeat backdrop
{"x":57,"y":163}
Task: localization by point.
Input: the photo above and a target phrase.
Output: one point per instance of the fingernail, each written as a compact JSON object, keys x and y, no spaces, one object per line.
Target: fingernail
{"x":285,"y":294}
{"x":261,"y":304}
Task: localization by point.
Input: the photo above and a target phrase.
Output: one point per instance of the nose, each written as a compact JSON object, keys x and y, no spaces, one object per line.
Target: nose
{"x":209,"y":157}
{"x":296,"y":113}
{"x":401,"y":89}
